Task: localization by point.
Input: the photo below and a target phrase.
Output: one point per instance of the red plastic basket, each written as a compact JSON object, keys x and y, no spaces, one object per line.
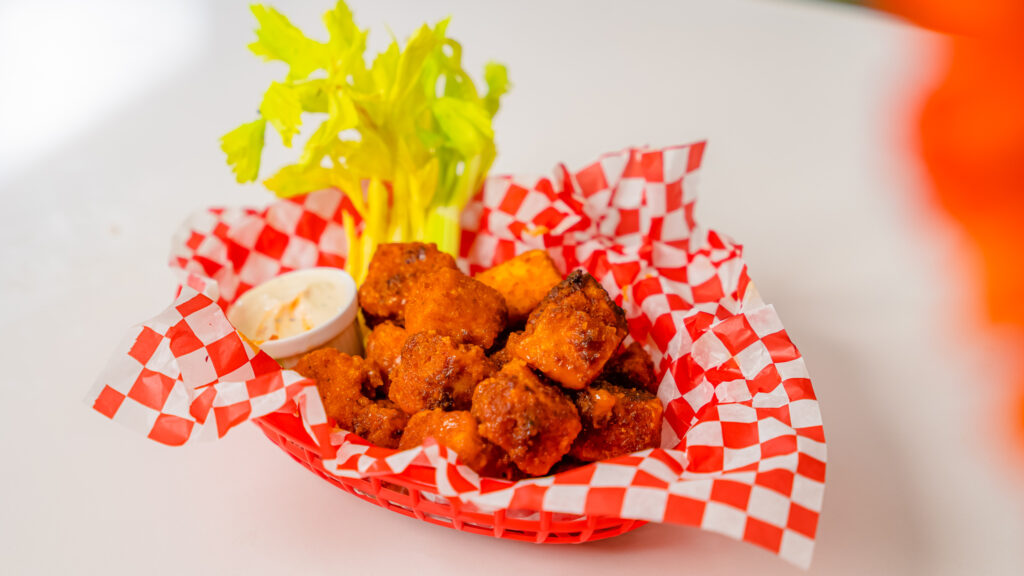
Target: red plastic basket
{"x":417,"y":498}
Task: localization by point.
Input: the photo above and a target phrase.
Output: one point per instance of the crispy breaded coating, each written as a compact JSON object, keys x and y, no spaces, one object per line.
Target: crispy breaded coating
{"x":342,"y":381}
{"x":501,"y":357}
{"x":523,"y":281}
{"x":616,"y":421}
{"x":533,"y":421}
{"x":393,"y":270}
{"x":380,"y":422}
{"x":633,"y":368}
{"x":383,"y":346}
{"x":347,"y":384}
{"x":458,"y":431}
{"x":454,"y":304}
{"x":435,"y":371}
{"x":573,"y":332}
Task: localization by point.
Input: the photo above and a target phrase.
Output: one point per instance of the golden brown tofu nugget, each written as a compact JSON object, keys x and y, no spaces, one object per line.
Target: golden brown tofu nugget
{"x":393,"y":270}
{"x":383,"y":346}
{"x":344,"y":383}
{"x":573,"y":332}
{"x":533,"y":421}
{"x":434,"y":371}
{"x":380,"y":422}
{"x":523,"y":281}
{"x":458,"y":431}
{"x":616,"y":421}
{"x":456,"y":305}
{"x":633,"y":368}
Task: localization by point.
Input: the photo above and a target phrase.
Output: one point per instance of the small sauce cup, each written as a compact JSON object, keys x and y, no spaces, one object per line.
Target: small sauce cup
{"x":299,"y":311}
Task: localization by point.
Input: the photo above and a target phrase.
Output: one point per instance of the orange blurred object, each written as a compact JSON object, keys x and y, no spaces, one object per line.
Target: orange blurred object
{"x":972,"y":138}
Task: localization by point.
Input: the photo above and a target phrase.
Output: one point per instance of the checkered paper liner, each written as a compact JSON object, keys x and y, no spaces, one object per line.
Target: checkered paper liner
{"x":743,"y":448}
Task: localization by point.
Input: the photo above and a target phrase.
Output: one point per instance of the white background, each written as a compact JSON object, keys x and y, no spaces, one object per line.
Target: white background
{"x":109,"y":118}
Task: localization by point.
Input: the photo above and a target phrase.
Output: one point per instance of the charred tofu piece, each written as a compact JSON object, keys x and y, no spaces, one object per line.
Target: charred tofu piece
{"x":523,"y":281}
{"x":393,"y":270}
{"x":572,"y":333}
{"x":458,"y":430}
{"x":533,"y":421}
{"x":616,"y":421}
{"x":347,"y":385}
{"x":383,"y":347}
{"x":456,"y":305}
{"x":435,"y":371}
{"x":632,"y":368}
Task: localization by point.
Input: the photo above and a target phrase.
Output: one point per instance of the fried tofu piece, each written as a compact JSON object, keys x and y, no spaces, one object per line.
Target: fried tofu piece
{"x":393,"y":270}
{"x":616,"y":421}
{"x":347,"y":385}
{"x":523,"y":281}
{"x":383,"y":347}
{"x":380,"y":422}
{"x":456,"y":305}
{"x":458,"y":430}
{"x":572,"y":333}
{"x":632,"y":368}
{"x":435,"y":371}
{"x":532,"y":420}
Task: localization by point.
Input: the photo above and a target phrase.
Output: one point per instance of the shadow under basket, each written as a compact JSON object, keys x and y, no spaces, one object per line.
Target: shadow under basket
{"x":413,"y":495}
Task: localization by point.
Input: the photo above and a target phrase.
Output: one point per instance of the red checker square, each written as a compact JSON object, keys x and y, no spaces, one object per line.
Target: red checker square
{"x":513,"y":199}
{"x":182,"y":339}
{"x":708,"y":291}
{"x":625,"y":272}
{"x":210,"y":267}
{"x":645,"y":288}
{"x":705,"y":458}
{"x":780,"y":347}
{"x":657,"y":222}
{"x":605,"y":500}
{"x":696,"y":155}
{"x":816,"y":433}
{"x":691,"y":221}
{"x":201,"y":405}
{"x":330,"y":260}
{"x":727,"y":372}
{"x":741,"y":285}
{"x":108,"y":402}
{"x":802,"y":520}
{"x":263,"y":385}
{"x":591,"y":180}
{"x":799,"y":389}
{"x":736,"y":333}
{"x":237,"y":254}
{"x":766,"y":380}
{"x":643,"y":478}
{"x":528,"y":497}
{"x":780,"y":480}
{"x":227,"y":354}
{"x":505,"y":250}
{"x":652,"y":166}
{"x":810,"y":467}
{"x":683,"y":510}
{"x":221,"y":230}
{"x":739,"y":434}
{"x":310,"y":226}
{"x":781,"y":414}
{"x":171,"y":430}
{"x":228,"y":417}
{"x":262,"y":364}
{"x":629,"y":222}
{"x":763,"y":534}
{"x":458,"y":482}
{"x":271,"y":242}
{"x":151,"y":389}
{"x":673,"y":196}
{"x":194,"y":240}
{"x":663,"y":331}
{"x":732,"y":493}
{"x":549,"y":218}
{"x":194,"y":304}
{"x":145,"y":344}
{"x":778,"y":446}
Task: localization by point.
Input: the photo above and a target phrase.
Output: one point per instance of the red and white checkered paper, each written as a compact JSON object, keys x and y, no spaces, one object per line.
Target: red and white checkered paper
{"x":743,"y":448}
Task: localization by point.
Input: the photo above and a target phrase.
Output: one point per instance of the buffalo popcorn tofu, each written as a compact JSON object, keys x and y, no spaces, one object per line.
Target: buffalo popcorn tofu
{"x":456,"y":305}
{"x":572,"y":333}
{"x":523,"y":281}
{"x":392,"y":273}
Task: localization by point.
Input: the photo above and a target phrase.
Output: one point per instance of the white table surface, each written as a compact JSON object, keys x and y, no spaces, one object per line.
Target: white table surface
{"x":109,"y":118}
